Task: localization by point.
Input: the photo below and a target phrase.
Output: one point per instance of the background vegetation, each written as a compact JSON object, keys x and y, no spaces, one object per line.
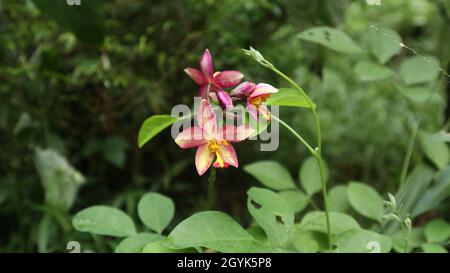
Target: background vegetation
{"x":77,"y":82}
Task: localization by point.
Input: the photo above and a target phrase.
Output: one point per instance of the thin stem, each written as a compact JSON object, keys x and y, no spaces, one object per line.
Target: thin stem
{"x":211,"y":188}
{"x":302,"y":140}
{"x":409,"y":150}
{"x":317,"y":153}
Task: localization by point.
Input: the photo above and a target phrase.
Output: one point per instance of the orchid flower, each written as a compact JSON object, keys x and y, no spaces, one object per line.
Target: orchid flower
{"x":212,"y":142}
{"x":210,"y":81}
{"x":256,"y":95}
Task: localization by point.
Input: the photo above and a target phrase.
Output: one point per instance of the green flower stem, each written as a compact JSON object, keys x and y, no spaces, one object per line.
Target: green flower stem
{"x":409,"y":151}
{"x":211,"y":198}
{"x":302,"y":140}
{"x":317,"y":153}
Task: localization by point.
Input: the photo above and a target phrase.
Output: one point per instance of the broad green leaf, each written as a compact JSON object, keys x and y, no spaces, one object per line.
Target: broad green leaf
{"x":437,"y":231}
{"x":211,"y":229}
{"x":363,"y":241}
{"x":257,"y":233}
{"x":372,"y":72}
{"x":332,"y":38}
{"x":104,"y":220}
{"x":273,"y":213}
{"x":271,"y":174}
{"x":416,"y":69}
{"x":433,"y":248}
{"x":310,"y":176}
{"x":164,"y":246}
{"x":384,"y":43}
{"x":338,"y":199}
{"x":296,"y":199}
{"x":86,"y":21}
{"x":153,"y":126}
{"x":417,"y":94}
{"x":59,"y":178}
{"x":288,"y":97}
{"x":309,"y":241}
{"x":436,"y":151}
{"x":437,"y":193}
{"x":156,"y":211}
{"x":365,"y":200}
{"x":316,"y":221}
{"x":416,"y":239}
{"x":136,"y":243}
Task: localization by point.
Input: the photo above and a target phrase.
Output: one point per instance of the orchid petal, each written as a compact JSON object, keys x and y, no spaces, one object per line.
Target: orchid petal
{"x":263,"y":89}
{"x":224,"y":98}
{"x":203,"y":91}
{"x":190,"y":137}
{"x":228,"y":78}
{"x":206,"y":118}
{"x":203,"y":159}
{"x":263,"y":111}
{"x":243,"y":89}
{"x":196,"y":75}
{"x":228,"y":155}
{"x":206,"y":63}
{"x":232,"y":133}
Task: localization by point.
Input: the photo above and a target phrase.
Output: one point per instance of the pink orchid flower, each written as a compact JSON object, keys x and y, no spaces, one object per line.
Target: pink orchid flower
{"x":256,"y":95}
{"x":210,"y":81}
{"x":212,"y":142}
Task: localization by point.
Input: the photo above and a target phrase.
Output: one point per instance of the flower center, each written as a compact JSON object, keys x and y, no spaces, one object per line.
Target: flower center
{"x":213,"y":146}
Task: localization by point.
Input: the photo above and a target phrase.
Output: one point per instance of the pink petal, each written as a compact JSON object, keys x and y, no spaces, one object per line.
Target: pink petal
{"x":206,"y":64}
{"x":242,"y":90}
{"x":264,"y":112}
{"x":206,"y":118}
{"x":229,"y":78}
{"x":224,"y":98}
{"x":203,"y":91}
{"x":196,"y":75}
{"x":263,"y":89}
{"x":253,"y":112}
{"x":190,"y":137}
{"x":228,"y":155}
{"x":203,"y":159}
{"x":232,"y":133}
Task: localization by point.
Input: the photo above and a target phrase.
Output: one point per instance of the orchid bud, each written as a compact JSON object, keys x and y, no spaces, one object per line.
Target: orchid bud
{"x":243,"y":90}
{"x":224,"y":99}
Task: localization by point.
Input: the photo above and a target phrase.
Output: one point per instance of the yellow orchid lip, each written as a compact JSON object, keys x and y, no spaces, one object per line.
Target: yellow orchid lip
{"x":213,"y":147}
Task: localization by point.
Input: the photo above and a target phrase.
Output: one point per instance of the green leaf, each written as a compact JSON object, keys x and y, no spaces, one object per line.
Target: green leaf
{"x":437,"y":231}
{"x":271,"y":174}
{"x":316,"y":221}
{"x":104,"y":220}
{"x":384,"y":43}
{"x":418,"y":94}
{"x":136,"y":243}
{"x":257,"y":233}
{"x":363,"y":241}
{"x":85,"y":21}
{"x":296,"y":199}
{"x":372,"y":72}
{"x":309,"y":176}
{"x":211,"y":229}
{"x":332,"y":38}
{"x":156,"y":211}
{"x":416,"y":239}
{"x":365,"y":200}
{"x":437,"y":193}
{"x":416,"y":70}
{"x":338,"y":199}
{"x":309,"y":241}
{"x":153,"y":126}
{"x":433,"y":248}
{"x":272,"y":213}
{"x":164,"y":246}
{"x":288,"y":97}
{"x":59,"y":178}
{"x":436,"y":151}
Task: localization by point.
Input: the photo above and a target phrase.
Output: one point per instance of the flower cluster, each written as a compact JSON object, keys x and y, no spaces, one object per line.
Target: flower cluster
{"x":213,"y":142}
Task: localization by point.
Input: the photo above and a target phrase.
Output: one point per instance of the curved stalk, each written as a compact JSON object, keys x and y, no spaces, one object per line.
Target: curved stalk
{"x":317,"y":153}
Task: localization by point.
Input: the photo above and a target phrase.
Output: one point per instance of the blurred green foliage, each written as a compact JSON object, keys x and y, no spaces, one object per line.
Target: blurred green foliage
{"x":77,"y":82}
